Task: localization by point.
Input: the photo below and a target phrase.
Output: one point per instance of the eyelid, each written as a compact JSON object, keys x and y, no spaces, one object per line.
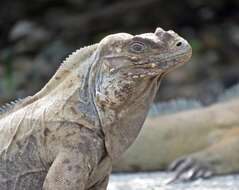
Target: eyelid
{"x":147,"y":42}
{"x":137,"y":43}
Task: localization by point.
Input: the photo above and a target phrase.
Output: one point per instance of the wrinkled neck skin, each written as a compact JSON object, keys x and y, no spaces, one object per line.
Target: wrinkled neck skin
{"x":122,"y":107}
{"x":71,"y":99}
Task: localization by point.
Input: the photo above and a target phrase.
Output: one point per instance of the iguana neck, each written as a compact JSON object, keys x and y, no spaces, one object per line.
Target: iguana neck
{"x":72,"y":94}
{"x":73,"y":63}
{"x":121,"y":127}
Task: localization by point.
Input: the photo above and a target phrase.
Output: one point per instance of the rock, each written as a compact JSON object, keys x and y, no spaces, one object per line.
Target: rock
{"x":20,"y":30}
{"x":234,"y":34}
{"x":28,"y":36}
{"x":158,"y":180}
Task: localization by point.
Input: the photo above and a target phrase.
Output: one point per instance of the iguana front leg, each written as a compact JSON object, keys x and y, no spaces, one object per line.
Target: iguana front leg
{"x":70,"y":171}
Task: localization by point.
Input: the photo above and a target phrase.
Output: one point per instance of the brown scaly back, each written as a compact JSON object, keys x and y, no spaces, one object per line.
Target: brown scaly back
{"x":71,"y":62}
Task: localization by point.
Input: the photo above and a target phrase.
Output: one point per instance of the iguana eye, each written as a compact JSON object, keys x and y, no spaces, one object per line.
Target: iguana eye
{"x":137,"y":47}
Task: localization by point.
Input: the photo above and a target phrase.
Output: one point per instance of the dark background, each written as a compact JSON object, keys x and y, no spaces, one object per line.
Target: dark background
{"x":36,"y":35}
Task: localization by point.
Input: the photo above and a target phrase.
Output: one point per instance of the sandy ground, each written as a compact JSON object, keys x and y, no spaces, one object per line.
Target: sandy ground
{"x":157,"y":180}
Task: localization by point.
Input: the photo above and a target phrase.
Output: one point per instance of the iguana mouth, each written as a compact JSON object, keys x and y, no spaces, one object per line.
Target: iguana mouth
{"x":175,"y":60}
{"x":162,"y":64}
{"x":158,"y":66}
{"x":161,"y":60}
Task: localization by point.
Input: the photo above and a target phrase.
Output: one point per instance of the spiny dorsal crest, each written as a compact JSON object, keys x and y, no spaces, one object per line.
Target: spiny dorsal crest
{"x":77,"y":57}
{"x":9,"y":106}
{"x":69,"y":64}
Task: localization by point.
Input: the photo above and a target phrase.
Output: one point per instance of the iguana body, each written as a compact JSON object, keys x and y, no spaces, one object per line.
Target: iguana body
{"x":66,"y":136}
{"x":199,"y":142}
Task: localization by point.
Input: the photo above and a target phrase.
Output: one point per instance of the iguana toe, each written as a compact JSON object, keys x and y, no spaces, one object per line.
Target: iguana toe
{"x":187,"y":169}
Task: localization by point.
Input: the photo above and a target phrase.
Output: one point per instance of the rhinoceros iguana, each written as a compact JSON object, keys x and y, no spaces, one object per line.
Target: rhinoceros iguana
{"x":92,"y":109}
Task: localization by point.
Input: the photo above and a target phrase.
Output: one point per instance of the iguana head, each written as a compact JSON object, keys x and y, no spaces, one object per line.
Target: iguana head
{"x":128,"y":61}
{"x":125,"y":78}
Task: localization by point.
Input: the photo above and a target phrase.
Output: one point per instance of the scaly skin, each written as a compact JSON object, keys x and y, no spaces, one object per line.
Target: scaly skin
{"x":66,"y":135}
{"x":197,"y":143}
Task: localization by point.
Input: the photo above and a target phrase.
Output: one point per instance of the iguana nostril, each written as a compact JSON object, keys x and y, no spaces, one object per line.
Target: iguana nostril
{"x":179,"y":44}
